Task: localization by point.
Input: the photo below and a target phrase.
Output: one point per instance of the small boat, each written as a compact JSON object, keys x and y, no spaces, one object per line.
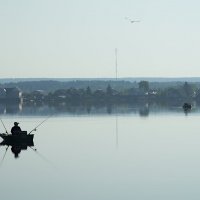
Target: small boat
{"x":21,"y":138}
{"x":18,"y":141}
{"x":187,"y":106}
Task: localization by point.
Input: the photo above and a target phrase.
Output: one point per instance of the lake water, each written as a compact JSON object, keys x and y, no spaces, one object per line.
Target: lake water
{"x":117,"y":156}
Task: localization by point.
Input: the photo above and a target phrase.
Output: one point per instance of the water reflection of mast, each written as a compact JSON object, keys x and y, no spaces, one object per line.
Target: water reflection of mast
{"x":116,"y":131}
{"x":116,"y":117}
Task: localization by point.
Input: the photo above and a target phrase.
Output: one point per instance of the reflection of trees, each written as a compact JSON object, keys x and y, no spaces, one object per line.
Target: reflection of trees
{"x":88,"y":108}
{"x":144,"y":112}
{"x":143,"y":108}
{"x":2,"y":108}
{"x":12,"y":108}
{"x":109,"y":108}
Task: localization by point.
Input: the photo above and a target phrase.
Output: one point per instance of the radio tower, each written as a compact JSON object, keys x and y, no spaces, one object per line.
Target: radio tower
{"x":116,"y":122}
{"x":116,"y":64}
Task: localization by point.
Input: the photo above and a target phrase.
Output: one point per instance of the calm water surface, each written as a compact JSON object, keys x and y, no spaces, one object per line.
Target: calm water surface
{"x":105,"y":157}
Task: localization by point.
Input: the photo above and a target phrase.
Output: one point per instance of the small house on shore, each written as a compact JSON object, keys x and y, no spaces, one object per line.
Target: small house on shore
{"x":2,"y":93}
{"x":10,"y":95}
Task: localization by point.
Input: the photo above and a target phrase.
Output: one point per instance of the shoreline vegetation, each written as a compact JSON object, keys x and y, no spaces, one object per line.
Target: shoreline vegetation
{"x":97,"y":96}
{"x":115,"y":93}
{"x":102,"y":92}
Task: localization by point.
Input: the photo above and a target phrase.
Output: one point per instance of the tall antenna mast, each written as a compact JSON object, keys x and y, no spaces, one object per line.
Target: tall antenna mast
{"x":116,"y":64}
{"x":116,"y":76}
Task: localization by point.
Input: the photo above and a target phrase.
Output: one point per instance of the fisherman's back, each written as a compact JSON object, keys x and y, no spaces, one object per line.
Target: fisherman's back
{"x":15,"y":129}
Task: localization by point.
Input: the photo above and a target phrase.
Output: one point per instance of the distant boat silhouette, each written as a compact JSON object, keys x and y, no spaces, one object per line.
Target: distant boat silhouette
{"x":187,"y":106}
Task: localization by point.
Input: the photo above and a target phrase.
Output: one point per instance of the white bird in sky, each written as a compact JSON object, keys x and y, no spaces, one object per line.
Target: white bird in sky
{"x":132,"y":21}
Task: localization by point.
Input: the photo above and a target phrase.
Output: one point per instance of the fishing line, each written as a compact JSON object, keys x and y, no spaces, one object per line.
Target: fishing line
{"x":4,"y":156}
{"x":39,"y":124}
{"x":43,"y":157}
{"x":4,"y":125}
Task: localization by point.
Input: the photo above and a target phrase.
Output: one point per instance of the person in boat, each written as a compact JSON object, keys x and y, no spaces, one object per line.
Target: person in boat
{"x":15,"y":129}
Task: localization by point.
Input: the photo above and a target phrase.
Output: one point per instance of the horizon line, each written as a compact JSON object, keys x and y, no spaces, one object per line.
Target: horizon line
{"x":125,"y":77}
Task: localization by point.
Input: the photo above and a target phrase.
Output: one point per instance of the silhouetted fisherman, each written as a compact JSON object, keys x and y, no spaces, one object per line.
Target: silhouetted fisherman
{"x":15,"y":129}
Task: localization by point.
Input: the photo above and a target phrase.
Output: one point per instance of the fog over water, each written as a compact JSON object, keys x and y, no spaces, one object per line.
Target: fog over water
{"x":143,"y":109}
{"x":121,"y":155}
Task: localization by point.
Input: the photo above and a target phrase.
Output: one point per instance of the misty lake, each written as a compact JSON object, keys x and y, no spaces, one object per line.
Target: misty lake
{"x":125,"y":155}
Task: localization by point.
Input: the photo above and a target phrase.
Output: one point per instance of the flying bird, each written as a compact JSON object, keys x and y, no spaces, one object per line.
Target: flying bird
{"x":132,"y":21}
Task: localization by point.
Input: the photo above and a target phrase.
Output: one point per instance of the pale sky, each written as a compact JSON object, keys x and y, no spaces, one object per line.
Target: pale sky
{"x":77,"y":38}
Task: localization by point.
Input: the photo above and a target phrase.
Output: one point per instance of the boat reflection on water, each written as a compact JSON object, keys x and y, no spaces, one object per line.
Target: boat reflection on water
{"x":19,"y":140}
{"x":17,"y":145}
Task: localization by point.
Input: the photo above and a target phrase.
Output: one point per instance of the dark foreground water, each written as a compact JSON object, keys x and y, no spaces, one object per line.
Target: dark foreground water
{"x":116,"y":156}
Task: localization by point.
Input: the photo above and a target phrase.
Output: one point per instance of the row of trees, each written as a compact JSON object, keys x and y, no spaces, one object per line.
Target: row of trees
{"x":185,"y":93}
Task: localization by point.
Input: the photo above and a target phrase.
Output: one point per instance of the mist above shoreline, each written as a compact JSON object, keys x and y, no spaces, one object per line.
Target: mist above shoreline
{"x":130,"y":79}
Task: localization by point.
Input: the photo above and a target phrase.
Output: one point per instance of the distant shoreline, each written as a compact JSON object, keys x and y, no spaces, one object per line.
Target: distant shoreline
{"x":130,"y":79}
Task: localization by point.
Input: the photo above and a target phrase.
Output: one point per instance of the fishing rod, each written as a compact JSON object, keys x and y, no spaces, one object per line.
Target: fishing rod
{"x":39,"y":124}
{"x":4,"y":126}
{"x":1,"y":163}
{"x":43,"y":157}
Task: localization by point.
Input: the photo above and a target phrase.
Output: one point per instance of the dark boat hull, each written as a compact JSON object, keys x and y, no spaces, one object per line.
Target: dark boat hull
{"x":22,"y":139}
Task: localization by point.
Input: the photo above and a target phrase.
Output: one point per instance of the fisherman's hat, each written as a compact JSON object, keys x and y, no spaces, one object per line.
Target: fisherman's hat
{"x":16,"y":123}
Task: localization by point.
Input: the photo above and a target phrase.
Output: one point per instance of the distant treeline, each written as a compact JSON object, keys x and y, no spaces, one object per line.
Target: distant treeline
{"x":119,"y":92}
{"x":119,"y":85}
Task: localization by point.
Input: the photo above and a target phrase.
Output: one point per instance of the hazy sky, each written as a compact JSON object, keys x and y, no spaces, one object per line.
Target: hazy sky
{"x":77,"y":38}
